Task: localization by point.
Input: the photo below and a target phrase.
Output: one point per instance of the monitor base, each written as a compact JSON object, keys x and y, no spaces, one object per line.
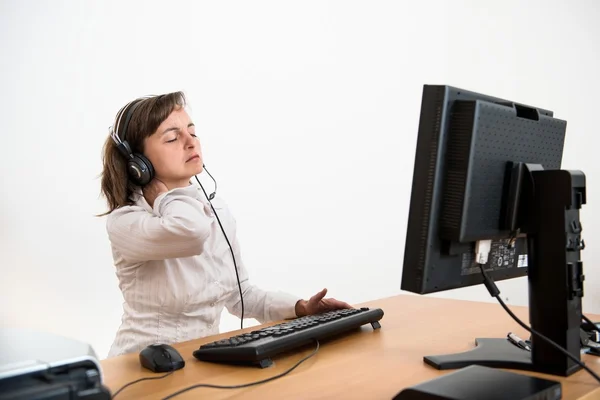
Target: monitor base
{"x":495,"y":353}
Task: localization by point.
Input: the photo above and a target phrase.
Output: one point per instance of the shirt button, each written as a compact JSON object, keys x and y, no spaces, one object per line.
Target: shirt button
{"x":209,"y":326}
{"x":212,"y":304}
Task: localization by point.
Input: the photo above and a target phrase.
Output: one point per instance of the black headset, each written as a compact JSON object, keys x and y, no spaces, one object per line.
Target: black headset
{"x":139,"y":168}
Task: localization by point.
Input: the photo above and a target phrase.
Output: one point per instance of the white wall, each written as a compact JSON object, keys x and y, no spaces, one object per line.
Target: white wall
{"x":308,"y":115}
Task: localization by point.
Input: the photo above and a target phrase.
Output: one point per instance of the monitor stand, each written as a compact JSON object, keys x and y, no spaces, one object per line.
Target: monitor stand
{"x":549,"y":216}
{"x":488,"y":352}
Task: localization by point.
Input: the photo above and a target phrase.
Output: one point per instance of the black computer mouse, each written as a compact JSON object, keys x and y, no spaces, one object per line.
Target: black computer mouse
{"x":161,"y":358}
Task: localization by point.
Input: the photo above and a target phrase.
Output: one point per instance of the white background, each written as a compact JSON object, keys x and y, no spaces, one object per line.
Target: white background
{"x":308,"y":115}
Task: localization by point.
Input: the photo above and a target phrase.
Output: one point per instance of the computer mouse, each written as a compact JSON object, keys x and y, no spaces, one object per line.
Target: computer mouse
{"x":161,"y":358}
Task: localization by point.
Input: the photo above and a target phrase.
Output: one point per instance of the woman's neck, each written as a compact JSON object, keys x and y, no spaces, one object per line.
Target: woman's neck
{"x":177,"y":184}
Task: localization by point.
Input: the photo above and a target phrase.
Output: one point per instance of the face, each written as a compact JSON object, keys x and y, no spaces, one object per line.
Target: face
{"x":174,"y":150}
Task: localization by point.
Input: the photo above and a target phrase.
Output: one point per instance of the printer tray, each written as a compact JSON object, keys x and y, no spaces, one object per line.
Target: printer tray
{"x":74,"y":381}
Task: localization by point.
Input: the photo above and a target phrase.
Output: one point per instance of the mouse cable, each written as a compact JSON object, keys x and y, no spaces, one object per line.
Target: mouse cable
{"x":140,"y":380}
{"x":244,"y":385}
{"x":237,"y":275}
{"x":495,"y":292}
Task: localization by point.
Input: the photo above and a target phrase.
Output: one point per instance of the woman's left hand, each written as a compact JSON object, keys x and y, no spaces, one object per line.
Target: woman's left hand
{"x":318,"y":304}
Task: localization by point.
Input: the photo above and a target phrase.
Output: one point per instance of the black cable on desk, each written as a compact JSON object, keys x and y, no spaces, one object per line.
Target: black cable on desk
{"x":243,"y":385}
{"x":140,"y":380}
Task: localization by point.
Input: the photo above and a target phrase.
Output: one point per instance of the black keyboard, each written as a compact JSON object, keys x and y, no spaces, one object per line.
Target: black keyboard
{"x":258,"y":346}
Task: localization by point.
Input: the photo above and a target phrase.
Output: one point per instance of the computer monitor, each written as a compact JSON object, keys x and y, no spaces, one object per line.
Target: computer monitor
{"x":488,"y":195}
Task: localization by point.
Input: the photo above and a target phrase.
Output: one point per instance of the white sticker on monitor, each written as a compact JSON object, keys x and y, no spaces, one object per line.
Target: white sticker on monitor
{"x":522,"y":261}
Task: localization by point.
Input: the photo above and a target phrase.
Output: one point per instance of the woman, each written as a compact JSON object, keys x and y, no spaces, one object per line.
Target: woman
{"x":176,"y":254}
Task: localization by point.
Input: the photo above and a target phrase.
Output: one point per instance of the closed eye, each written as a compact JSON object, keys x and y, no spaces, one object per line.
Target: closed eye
{"x":193,"y":134}
{"x":174,"y":139}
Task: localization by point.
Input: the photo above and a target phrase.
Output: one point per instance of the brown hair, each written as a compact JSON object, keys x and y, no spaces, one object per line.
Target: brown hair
{"x":148,"y":114}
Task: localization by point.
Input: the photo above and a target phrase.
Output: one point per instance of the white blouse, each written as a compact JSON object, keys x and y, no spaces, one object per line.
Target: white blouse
{"x":176,"y":272}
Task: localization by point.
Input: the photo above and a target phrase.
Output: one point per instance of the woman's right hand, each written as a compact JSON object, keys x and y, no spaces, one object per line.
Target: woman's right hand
{"x":154,"y":189}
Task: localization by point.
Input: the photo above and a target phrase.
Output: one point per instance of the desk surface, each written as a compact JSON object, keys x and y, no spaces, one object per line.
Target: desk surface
{"x":365,"y":364}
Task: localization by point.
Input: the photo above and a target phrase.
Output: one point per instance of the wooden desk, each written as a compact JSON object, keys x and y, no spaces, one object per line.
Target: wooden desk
{"x":365,"y":364}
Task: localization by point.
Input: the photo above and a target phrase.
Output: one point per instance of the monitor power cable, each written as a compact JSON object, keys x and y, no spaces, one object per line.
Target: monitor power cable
{"x":482,"y":251}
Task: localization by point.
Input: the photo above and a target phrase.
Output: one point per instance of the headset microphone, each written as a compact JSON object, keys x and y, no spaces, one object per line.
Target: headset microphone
{"x":214,"y":193}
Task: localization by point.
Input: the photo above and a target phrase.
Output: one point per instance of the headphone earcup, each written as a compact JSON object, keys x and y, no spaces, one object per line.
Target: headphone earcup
{"x":140,"y":170}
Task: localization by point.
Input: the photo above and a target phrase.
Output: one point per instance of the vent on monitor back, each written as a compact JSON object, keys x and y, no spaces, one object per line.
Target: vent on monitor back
{"x":432,"y":132}
{"x":456,"y":168}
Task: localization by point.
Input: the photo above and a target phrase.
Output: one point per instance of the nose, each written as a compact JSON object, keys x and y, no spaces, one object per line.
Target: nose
{"x":190,"y":141}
